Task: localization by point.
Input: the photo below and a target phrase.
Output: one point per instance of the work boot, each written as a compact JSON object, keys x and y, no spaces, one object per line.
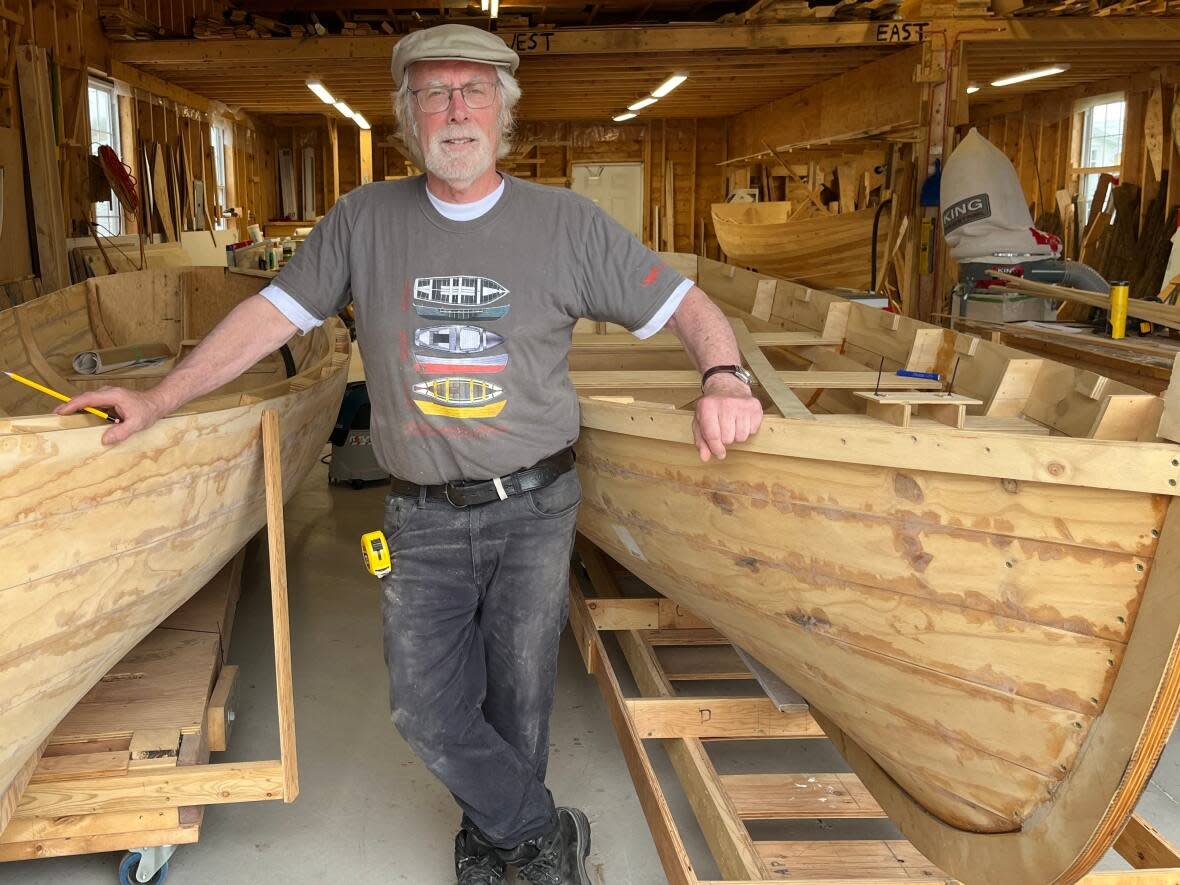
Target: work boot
{"x":558,"y":857}
{"x":476,"y":862}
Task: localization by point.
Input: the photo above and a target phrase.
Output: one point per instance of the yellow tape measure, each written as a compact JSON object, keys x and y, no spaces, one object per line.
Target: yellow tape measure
{"x":375,"y":549}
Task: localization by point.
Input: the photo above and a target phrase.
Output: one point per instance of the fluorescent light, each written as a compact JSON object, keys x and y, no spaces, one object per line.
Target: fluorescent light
{"x":321,"y":93}
{"x":641,"y":104}
{"x":344,"y":109}
{"x":627,"y":116}
{"x":360,"y":121}
{"x":971,"y":90}
{"x":483,"y":5}
{"x":494,"y":11}
{"x":668,"y":85}
{"x":1030,"y":75}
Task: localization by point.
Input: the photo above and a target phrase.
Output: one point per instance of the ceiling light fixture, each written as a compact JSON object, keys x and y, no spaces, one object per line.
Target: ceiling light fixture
{"x":494,"y":8}
{"x":344,"y":109}
{"x":321,"y":93}
{"x":1030,"y":75}
{"x":641,"y":104}
{"x":971,"y":90}
{"x":360,"y":120}
{"x":668,"y":85}
{"x":627,"y":116}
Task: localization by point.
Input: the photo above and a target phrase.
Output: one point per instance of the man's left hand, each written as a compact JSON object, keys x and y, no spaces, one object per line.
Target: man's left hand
{"x":727,"y":413}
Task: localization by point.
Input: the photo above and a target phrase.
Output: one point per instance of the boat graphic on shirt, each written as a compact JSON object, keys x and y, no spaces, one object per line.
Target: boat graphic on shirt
{"x":477,"y":365}
{"x":459,"y":298}
{"x":457,"y":339}
{"x":459,"y":397}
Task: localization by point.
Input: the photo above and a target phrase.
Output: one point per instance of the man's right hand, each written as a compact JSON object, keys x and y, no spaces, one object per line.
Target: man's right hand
{"x":136,"y":410}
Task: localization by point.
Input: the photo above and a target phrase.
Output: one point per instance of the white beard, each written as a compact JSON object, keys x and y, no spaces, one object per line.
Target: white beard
{"x":459,"y":167}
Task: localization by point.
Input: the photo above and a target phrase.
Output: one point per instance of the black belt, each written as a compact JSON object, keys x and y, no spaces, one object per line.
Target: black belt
{"x":470,"y":494}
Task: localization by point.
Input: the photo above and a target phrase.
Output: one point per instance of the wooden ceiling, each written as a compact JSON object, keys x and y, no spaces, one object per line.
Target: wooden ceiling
{"x":594,"y":73}
{"x":1088,"y":63}
{"x":593,"y":87}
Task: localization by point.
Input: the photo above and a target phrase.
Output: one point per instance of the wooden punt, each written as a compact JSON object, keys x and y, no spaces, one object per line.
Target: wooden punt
{"x":976,"y":593}
{"x":101,"y":544}
{"x":827,"y":250}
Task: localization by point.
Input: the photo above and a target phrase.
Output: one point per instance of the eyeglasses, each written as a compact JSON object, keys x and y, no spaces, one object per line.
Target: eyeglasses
{"x":436,"y":99}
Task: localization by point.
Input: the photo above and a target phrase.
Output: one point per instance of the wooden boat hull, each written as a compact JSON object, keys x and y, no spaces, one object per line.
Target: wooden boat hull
{"x":101,"y":544}
{"x":984,"y":621}
{"x":827,"y":251}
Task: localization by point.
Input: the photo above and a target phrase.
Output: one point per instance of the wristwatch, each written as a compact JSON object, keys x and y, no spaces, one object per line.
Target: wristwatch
{"x":737,"y":371}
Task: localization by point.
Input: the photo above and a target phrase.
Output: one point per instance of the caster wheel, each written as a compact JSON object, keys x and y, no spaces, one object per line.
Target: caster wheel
{"x":357,"y":484}
{"x":128,"y":867}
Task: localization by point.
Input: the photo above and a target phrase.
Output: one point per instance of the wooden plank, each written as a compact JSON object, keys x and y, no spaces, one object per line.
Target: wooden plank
{"x":43,"y":178}
{"x":220,"y":714}
{"x":683,"y":380}
{"x":640,"y":614}
{"x":626,"y":342}
{"x":81,"y":765}
{"x":1142,"y":846}
{"x":1101,"y":464}
{"x":163,"y":682}
{"x":10,"y":797}
{"x":154,"y":748}
{"x":702,"y":664}
{"x":280,"y":619}
{"x":800,"y":796}
{"x":789,"y":405}
{"x":156,"y":788}
{"x":838,"y":860}
{"x":718,"y":717}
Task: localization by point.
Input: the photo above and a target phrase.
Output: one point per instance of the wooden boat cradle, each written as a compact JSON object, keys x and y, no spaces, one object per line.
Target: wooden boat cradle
{"x":648,"y":629}
{"x":1065,"y":441}
{"x":230,"y":424}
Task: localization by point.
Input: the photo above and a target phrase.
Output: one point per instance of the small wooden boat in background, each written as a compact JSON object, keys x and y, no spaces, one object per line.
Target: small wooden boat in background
{"x":99,"y":545}
{"x":828,"y":250}
{"x":974,"y":588}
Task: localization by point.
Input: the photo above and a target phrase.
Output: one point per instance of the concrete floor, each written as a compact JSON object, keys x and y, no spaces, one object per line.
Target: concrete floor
{"x":369,"y":812}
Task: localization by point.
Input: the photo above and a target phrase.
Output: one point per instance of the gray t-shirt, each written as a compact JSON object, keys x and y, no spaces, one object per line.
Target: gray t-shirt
{"x":465,"y":326}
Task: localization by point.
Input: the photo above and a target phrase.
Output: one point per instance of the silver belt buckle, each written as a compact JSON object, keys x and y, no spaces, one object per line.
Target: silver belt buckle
{"x":447,"y":495}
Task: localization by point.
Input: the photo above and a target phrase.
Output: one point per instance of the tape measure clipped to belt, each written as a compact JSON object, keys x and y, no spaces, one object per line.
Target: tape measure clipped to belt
{"x":375,"y":549}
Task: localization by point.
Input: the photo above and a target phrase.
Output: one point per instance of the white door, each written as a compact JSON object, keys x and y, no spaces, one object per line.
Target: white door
{"x":617,"y":188}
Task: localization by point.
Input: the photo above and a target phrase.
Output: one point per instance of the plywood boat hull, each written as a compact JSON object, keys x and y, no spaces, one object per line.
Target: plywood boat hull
{"x":983,"y":620}
{"x":101,"y":544}
{"x":829,"y":251}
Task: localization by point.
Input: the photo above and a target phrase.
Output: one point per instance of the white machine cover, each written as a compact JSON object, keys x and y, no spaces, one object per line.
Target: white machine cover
{"x":984,"y":214}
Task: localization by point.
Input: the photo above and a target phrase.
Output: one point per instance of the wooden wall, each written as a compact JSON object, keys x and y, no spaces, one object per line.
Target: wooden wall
{"x":151,"y":112}
{"x":69,"y":31}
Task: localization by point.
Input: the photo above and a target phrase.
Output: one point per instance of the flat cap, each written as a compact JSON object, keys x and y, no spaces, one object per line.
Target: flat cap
{"x":452,"y":43}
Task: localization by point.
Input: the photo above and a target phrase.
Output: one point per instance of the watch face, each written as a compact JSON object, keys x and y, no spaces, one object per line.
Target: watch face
{"x":744,"y":375}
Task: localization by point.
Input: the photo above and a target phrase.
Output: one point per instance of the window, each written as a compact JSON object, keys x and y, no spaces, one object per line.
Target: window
{"x":104,"y":129}
{"x":217,"y":136}
{"x":1101,"y":149}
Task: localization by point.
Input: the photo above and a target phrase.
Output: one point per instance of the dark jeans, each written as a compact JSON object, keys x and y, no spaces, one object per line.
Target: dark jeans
{"x":473,"y":614}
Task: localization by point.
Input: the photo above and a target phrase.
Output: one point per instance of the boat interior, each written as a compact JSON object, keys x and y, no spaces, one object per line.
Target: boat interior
{"x":819,"y":356}
{"x":40,"y":339}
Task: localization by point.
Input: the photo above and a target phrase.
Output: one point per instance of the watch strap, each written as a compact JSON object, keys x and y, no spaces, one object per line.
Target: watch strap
{"x":736,"y":371}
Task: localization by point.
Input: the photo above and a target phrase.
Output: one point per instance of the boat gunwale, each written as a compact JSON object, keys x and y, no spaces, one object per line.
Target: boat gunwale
{"x":332,"y":331}
{"x":1118,"y":465}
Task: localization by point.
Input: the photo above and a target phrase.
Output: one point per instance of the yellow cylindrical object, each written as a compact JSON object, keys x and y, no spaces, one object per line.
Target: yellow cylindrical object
{"x":1120,"y":292}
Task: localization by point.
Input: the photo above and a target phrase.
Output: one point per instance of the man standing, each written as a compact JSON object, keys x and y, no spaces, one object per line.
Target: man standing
{"x":466,"y":285}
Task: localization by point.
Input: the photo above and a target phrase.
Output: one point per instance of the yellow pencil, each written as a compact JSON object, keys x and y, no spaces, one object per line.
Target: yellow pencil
{"x":61,"y":396}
